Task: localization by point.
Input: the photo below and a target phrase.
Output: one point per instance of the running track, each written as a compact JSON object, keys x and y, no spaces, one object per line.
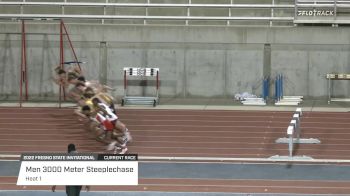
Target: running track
{"x":186,"y":133}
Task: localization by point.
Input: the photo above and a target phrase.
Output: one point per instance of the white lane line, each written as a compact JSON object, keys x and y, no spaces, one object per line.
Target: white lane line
{"x":41,"y":129}
{"x":17,"y":121}
{"x":24,"y":140}
{"x":9,"y":156}
{"x":183,"y":148}
{"x":39,"y":123}
{"x":219,"y":159}
{"x":73,"y":130}
{"x":151,"y":120}
{"x":178,"y":125}
{"x":204,"y":115}
{"x":8,"y":160}
{"x":154,"y":161}
{"x":173,"y":136}
{"x":149,"y":141}
{"x":21,"y":118}
{"x":242,"y":159}
{"x":148,"y":136}
{"x":208,"y":184}
{"x":149,"y":147}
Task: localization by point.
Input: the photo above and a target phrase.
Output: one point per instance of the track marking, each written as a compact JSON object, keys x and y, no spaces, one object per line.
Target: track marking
{"x":153,"y":141}
{"x":172,"y":147}
{"x":9,"y":156}
{"x":220,"y":159}
{"x":183,"y":120}
{"x":143,"y":147}
{"x":305,"y":132}
{"x":191,"y":126}
{"x":9,"y":160}
{"x":204,"y":115}
{"x":229,"y":185}
{"x":237,"y":186}
{"x":265,"y":131}
{"x":148,"y":136}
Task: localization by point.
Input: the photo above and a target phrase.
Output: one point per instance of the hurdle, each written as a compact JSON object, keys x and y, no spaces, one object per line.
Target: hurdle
{"x":280,"y":99}
{"x":265,"y":94}
{"x":330,"y":79}
{"x":140,"y":72}
{"x":294,"y":132}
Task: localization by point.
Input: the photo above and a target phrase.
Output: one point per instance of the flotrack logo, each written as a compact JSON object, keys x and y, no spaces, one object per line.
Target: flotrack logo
{"x":315,"y":13}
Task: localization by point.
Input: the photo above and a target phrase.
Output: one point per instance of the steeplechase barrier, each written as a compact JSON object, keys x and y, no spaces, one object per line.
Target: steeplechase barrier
{"x":331,"y":78}
{"x":293,"y":133}
{"x":140,"y":73}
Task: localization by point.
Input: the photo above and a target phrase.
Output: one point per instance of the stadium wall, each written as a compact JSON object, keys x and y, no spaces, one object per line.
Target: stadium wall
{"x":194,"y":61}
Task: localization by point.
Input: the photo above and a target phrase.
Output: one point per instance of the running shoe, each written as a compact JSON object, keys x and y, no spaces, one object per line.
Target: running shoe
{"x":111,"y":146}
{"x":124,"y":150}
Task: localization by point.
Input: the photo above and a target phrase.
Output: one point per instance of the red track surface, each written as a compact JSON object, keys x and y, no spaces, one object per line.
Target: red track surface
{"x":204,"y":185}
{"x":186,"y":133}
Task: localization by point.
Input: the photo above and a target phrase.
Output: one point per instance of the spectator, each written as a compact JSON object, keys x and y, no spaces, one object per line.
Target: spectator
{"x":72,"y":190}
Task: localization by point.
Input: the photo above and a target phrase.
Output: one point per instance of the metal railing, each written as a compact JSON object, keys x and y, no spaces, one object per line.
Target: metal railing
{"x":180,"y":5}
{"x":302,"y":11}
{"x":322,"y":11}
{"x":184,"y":13}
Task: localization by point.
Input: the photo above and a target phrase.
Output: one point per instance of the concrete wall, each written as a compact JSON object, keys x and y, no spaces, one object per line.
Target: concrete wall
{"x":194,"y":61}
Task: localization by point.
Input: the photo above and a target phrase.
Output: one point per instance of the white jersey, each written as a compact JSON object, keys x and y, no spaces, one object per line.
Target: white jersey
{"x":111,"y":116}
